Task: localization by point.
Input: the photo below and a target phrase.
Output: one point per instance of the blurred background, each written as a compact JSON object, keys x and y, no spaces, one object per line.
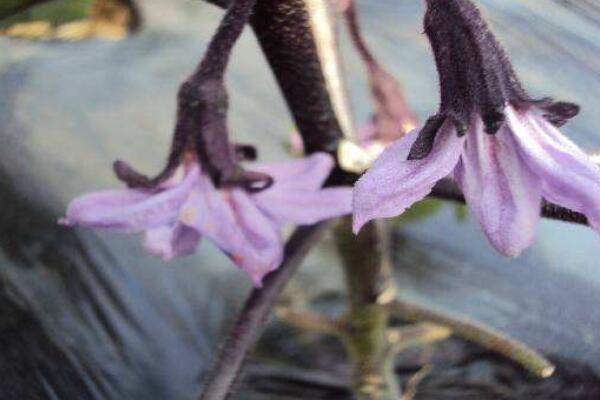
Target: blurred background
{"x":89,"y":315}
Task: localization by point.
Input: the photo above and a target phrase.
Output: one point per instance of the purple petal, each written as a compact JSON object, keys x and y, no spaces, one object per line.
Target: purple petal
{"x":501,"y":190}
{"x":304,"y":207}
{"x":171,"y":242}
{"x":231,"y":220}
{"x":262,"y":250}
{"x":307,"y":173}
{"x":569,"y":176}
{"x":394,"y":183}
{"x":130,"y":210}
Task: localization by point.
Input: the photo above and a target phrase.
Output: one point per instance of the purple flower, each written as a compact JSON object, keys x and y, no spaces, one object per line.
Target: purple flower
{"x":503,"y":176}
{"x":502,"y":146}
{"x":246,"y":225}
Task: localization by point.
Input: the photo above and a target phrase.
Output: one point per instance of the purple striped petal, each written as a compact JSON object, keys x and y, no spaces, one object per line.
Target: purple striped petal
{"x":501,"y":190}
{"x":259,"y":248}
{"x":394,"y":183}
{"x":569,"y":176}
{"x":130,"y":210}
{"x":171,"y":242}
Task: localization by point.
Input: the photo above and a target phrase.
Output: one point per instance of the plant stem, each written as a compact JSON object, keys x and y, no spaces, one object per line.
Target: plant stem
{"x":477,"y":333}
{"x":368,"y":275}
{"x":257,"y":308}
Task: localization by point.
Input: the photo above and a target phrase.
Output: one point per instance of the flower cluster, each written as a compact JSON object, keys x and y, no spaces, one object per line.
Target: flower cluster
{"x":501,"y":146}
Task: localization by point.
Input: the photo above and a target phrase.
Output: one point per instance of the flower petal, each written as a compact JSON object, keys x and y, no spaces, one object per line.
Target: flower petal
{"x":394,"y":183}
{"x":307,"y":173}
{"x":231,"y":221}
{"x":171,"y":242}
{"x":501,"y":190}
{"x":569,"y":177}
{"x":261,"y":250}
{"x":130,"y":210}
{"x":304,"y":207}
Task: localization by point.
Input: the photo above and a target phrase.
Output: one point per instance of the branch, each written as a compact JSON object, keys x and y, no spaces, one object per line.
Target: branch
{"x":219,"y":49}
{"x":446,"y":189}
{"x":251,"y":320}
{"x":477,"y":333}
{"x":285,"y":35}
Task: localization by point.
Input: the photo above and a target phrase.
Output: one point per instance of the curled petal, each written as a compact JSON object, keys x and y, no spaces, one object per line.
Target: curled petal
{"x":130,"y":210}
{"x":304,"y":207}
{"x":394,"y":183}
{"x":171,"y":242}
{"x":569,"y":177}
{"x":501,"y":190}
{"x":308,"y":173}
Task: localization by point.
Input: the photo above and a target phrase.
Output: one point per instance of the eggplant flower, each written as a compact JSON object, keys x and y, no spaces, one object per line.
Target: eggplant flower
{"x":503,"y":177}
{"x":246,"y":225}
{"x":502,"y":147}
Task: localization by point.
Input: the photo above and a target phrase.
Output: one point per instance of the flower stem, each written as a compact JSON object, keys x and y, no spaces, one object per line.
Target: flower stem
{"x":257,"y":308}
{"x":368,"y":276}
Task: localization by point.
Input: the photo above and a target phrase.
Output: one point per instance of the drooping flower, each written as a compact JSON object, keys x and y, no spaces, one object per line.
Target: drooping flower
{"x":246,"y":225}
{"x":502,"y":147}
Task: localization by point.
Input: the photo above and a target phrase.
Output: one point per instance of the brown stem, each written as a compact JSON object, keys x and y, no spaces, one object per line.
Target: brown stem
{"x":356,"y":35}
{"x":217,"y":55}
{"x":284,"y":33}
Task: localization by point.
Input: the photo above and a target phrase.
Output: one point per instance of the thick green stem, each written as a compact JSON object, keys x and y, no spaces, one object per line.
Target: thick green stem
{"x":368,"y":275}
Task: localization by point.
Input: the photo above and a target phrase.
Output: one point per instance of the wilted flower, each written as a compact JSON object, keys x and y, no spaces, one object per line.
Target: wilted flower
{"x":392,"y":117}
{"x":502,"y":147}
{"x":246,"y":225}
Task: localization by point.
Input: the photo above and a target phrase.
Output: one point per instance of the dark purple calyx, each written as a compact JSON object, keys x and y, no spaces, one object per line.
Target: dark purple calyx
{"x":476,"y":76}
{"x":201,"y":127}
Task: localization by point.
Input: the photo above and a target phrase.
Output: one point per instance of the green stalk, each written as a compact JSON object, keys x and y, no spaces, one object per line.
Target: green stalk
{"x":368,"y":276}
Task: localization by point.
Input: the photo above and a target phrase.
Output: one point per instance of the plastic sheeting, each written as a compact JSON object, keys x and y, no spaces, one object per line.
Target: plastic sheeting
{"x":89,"y":315}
